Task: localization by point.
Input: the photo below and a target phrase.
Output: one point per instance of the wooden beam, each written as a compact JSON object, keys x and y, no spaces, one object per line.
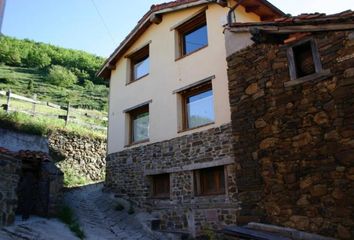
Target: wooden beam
{"x":267,"y":17}
{"x":252,"y":8}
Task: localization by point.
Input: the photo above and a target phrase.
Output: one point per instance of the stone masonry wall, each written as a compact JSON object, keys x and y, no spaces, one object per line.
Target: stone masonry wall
{"x":9,"y":178}
{"x":129,"y":174}
{"x":294,"y":146}
{"x":83,"y":156}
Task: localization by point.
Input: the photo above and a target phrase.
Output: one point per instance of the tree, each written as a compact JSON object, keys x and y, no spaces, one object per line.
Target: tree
{"x":38,"y":59}
{"x":61,"y":76}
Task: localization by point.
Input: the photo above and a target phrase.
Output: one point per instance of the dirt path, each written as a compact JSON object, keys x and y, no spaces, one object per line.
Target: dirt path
{"x":99,"y":219}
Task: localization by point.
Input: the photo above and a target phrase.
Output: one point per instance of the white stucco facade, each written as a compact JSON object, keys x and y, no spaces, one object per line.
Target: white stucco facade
{"x":167,"y":74}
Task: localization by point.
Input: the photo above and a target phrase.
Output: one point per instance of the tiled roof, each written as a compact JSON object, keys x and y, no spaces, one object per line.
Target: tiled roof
{"x":26,"y":155}
{"x":143,"y":25}
{"x":305,"y":18}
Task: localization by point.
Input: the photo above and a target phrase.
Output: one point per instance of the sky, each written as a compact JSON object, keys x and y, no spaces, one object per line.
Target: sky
{"x":98,"y":26}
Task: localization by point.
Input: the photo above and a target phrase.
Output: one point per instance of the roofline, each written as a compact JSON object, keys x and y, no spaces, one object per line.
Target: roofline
{"x":145,"y":23}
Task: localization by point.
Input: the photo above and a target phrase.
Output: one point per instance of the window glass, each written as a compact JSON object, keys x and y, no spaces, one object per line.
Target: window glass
{"x":140,"y":125}
{"x":200,"y":109}
{"x":195,"y":39}
{"x":141,"y":68}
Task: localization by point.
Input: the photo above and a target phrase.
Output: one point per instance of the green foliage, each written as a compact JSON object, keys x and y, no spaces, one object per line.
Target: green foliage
{"x":60,"y":76}
{"x":72,"y":179}
{"x":27,"y":53}
{"x":66,"y":215}
{"x":30,"y":86}
{"x":131,"y":209}
{"x":37,"y":59}
{"x":119,"y":207}
{"x":88,"y":85}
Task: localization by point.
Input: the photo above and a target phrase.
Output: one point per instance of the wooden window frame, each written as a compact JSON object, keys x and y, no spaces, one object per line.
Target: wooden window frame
{"x":137,"y":57}
{"x":191,"y":92}
{"x":315,"y":56}
{"x":132,"y":115}
{"x":188,"y":27}
{"x":199,"y":180}
{"x":159,"y":177}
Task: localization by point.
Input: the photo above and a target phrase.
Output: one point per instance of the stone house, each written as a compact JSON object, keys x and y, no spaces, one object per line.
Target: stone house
{"x":170,"y":142}
{"x":291,"y":95}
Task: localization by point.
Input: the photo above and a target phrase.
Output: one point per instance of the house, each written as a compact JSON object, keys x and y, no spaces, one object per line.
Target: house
{"x":170,"y":145}
{"x":293,"y":123}
{"x":2,"y":12}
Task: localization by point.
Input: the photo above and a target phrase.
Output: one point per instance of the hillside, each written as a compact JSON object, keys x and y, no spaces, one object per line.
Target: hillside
{"x":54,"y":74}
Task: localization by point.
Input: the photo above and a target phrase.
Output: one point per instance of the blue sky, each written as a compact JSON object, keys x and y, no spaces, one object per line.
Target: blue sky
{"x":76,"y":24}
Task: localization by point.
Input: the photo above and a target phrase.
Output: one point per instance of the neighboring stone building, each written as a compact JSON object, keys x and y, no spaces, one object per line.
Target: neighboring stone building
{"x":292,"y":105}
{"x":169,"y":138}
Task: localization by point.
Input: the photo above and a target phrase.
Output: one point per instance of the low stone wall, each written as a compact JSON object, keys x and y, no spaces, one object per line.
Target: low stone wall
{"x":295,"y":145}
{"x":129,"y":174}
{"x":9,"y":178}
{"x":82,"y":156}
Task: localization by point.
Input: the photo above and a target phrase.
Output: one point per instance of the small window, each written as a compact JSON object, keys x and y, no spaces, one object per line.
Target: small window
{"x":304,"y":59}
{"x":193,"y":35}
{"x":210,"y":181}
{"x":161,"y":185}
{"x":198,"y":106}
{"x":139,"y":124}
{"x":140,"y":64}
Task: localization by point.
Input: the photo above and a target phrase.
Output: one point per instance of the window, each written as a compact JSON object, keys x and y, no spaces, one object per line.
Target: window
{"x":193,"y":34}
{"x":161,"y":186}
{"x":210,"y":181}
{"x":198,"y":106}
{"x":140,"y":64}
{"x":303,"y":59}
{"x":139,"y":124}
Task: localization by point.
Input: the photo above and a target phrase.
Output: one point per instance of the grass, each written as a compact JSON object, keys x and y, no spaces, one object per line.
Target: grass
{"x":72,"y":179}
{"x":43,"y":126}
{"x":17,"y":79}
{"x":66,"y":215}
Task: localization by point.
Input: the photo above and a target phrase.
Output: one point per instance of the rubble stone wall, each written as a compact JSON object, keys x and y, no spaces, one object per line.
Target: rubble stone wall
{"x":83,"y":156}
{"x":294,"y":146}
{"x":129,"y":175}
{"x":9,"y":178}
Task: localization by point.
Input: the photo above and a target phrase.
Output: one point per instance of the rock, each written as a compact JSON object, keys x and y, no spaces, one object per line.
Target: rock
{"x":268,"y":142}
{"x":301,"y":222}
{"x":251,"y":89}
{"x":338,"y":194}
{"x":260,"y":123}
{"x":302,"y":201}
{"x":343,"y":232}
{"x":349,"y":73}
{"x":302,"y":139}
{"x":319,"y":190}
{"x":307,"y":182}
{"x":321,"y":118}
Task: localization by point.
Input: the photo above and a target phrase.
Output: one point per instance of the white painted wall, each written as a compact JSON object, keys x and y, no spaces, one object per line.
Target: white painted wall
{"x":167,"y":75}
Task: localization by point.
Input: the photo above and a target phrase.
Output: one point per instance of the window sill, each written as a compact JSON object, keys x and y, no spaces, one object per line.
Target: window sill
{"x":190,"y":129}
{"x":186,"y":55}
{"x":210,"y":194}
{"x":313,"y":77}
{"x":137,"y":143}
{"x":136,"y":80}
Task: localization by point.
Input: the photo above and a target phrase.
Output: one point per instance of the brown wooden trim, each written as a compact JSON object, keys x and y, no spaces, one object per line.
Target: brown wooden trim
{"x":137,"y":143}
{"x":136,"y":80}
{"x":198,"y":83}
{"x":179,"y":24}
{"x":201,"y":178}
{"x":183,"y":56}
{"x":191,"y":129}
{"x":137,"y":106}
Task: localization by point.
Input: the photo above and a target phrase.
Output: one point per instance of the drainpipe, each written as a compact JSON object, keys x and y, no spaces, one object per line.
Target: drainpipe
{"x":231,"y":11}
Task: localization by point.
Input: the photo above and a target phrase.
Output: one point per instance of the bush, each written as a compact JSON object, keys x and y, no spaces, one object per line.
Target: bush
{"x":38,"y":59}
{"x":60,"y":76}
{"x":66,"y":215}
{"x":88,"y":85}
{"x":119,"y":207}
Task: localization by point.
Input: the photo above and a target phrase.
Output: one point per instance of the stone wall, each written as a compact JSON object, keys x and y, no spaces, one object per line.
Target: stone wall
{"x":129,"y":174}
{"x":82,"y":156}
{"x":9,"y":178}
{"x":294,"y":145}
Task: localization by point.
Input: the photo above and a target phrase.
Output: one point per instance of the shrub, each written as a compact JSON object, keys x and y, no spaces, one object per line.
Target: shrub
{"x":61,"y":76}
{"x":38,"y":59}
{"x":88,"y":85}
{"x":119,"y":207}
{"x":66,"y":215}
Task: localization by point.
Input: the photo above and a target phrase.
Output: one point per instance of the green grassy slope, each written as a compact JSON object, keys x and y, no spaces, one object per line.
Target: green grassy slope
{"x":18,"y":78}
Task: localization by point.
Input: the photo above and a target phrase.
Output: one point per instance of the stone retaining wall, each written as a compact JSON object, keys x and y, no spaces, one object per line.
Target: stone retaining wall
{"x":295,"y":146}
{"x":82,"y":156}
{"x":129,"y":174}
{"x":9,"y":178}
